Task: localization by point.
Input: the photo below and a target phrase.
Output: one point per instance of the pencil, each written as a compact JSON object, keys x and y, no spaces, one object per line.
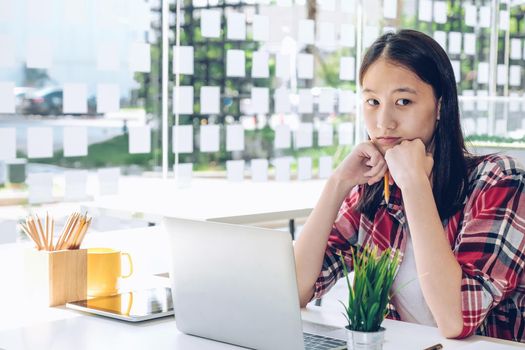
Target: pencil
{"x":386,"y":182}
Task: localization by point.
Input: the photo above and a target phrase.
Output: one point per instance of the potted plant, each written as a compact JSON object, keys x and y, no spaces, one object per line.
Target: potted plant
{"x":368,"y":296}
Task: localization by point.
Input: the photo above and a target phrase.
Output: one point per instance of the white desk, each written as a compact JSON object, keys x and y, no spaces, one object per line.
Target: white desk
{"x":24,"y":325}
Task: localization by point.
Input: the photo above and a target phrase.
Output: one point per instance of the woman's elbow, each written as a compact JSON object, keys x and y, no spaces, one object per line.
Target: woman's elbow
{"x":452,"y":330}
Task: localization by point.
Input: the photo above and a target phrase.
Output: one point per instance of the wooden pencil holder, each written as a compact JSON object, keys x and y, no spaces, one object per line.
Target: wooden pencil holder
{"x":56,"y":277}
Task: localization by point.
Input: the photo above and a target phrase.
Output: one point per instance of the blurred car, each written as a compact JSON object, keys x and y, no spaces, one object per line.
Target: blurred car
{"x":20,"y":94}
{"x":49,"y":101}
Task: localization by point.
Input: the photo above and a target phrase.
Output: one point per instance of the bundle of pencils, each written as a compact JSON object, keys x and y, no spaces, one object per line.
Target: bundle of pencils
{"x":386,"y":185}
{"x":71,"y":237}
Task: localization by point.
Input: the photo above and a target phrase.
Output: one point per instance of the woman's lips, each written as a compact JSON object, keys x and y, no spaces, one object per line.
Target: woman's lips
{"x":388,"y":141}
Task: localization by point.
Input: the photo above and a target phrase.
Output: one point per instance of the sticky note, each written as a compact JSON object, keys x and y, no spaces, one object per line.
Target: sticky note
{"x":304,"y":168}
{"x":515,"y":49}
{"x":7,"y":143}
{"x":261,"y":28}
{"x":234,"y":137}
{"x":306,"y":101}
{"x":305,"y":66}
{"x":304,"y":135}
{"x":75,"y":141}
{"x":139,"y":139}
{"x":327,"y":100}
{"x":108,"y":181}
{"x":306,"y":32}
{"x":260,"y":67}
{"x":454,"y":43}
{"x":183,"y":174}
{"x":457,"y":70}
{"x":440,"y":12}
{"x":482,"y":104}
{"x":282,"y":100}
{"x":260,"y":101}
{"x":501,"y":74}
{"x":346,"y":101}
{"x":108,"y":98}
{"x":40,"y":188}
{"x":345,"y":133}
{"x":326,"y":135}
{"x":425,"y":10}
{"x":140,"y":58}
{"x":326,"y":36}
{"x":483,"y":72}
{"x":441,"y":38}
{"x":471,"y":15}
{"x":236,"y":26}
{"x":390,"y":8}
{"x":235,"y":63}
{"x":469,"y":43}
{"x":282,"y":66}
{"x":7,"y":97}
{"x":182,"y":140}
{"x":468,"y":105}
{"x":210,"y":23}
{"x":347,"y":36}
{"x":370,"y":35}
{"x":282,"y":168}
{"x":75,"y":185}
{"x":141,"y":15}
{"x":235,"y":170}
{"x":39,"y":53}
{"x":484,"y":16}
{"x":504,"y":20}
{"x":283,"y":137}
{"x":210,"y":100}
{"x":347,"y":68}
{"x":39,"y":142}
{"x":515,"y":75}
{"x":184,"y":103}
{"x":259,"y":170}
{"x":7,"y":58}
{"x":210,"y":138}
{"x":186,"y":57}
{"x":325,"y":167}
{"x":75,"y":98}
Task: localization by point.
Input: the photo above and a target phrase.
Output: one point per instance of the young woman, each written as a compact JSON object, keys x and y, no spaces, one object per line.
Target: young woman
{"x":457,"y":219}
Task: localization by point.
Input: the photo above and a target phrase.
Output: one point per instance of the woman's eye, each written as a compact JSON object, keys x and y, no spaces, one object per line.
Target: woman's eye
{"x":403,"y":102}
{"x":372,"y":102}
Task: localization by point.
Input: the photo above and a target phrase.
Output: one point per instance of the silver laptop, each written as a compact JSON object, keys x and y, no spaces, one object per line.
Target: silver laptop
{"x":236,"y":284}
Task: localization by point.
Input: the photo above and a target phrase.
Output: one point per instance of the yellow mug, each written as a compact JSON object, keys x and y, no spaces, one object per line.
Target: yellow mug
{"x":104,"y":269}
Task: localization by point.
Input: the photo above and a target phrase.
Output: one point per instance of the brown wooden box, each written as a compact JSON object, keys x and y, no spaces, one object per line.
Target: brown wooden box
{"x":58,"y":277}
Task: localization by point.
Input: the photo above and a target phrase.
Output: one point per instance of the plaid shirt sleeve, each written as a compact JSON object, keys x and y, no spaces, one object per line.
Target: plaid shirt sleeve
{"x":491,"y":245}
{"x":342,"y":236}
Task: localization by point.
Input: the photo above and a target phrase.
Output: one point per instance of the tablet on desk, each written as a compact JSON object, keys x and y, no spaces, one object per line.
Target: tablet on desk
{"x":134,"y":306}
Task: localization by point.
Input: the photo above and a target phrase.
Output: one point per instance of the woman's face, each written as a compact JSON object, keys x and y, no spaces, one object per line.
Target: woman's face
{"x":397,"y":105}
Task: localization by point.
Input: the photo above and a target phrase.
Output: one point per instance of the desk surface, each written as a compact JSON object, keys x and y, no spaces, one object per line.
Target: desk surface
{"x":26,"y":325}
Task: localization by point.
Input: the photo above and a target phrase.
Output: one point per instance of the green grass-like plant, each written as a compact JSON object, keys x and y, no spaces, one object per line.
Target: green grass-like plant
{"x":369,"y":295}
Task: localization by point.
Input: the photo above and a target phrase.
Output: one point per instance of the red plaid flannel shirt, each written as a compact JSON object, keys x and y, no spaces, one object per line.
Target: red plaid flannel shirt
{"x":487,"y":237}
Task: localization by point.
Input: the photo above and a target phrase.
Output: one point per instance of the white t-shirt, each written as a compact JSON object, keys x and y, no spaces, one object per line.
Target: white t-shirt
{"x":409,"y":301}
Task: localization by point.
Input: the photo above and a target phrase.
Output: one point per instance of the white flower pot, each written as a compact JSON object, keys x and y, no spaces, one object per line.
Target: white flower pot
{"x":365,"y":340}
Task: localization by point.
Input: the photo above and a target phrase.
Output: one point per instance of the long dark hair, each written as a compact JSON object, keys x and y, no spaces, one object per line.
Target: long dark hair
{"x":424,"y":56}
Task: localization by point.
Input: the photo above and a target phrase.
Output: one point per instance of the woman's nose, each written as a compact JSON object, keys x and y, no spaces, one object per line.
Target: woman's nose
{"x":385,"y":119}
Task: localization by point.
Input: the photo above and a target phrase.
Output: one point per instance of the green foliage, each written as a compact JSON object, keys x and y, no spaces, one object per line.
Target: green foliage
{"x":369,"y":295}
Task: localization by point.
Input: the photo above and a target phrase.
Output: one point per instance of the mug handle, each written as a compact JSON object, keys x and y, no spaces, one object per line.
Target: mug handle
{"x":130,"y":265}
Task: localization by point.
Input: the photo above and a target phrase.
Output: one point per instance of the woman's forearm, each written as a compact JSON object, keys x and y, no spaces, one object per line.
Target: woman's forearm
{"x":435,"y":261}
{"x":311,"y":245}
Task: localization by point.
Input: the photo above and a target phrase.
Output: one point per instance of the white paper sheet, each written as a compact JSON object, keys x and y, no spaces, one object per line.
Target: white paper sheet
{"x":469,"y":126}
{"x":7,"y":143}
{"x":75,"y":98}
{"x":501,"y":127}
{"x":305,"y":66}
{"x":515,"y":49}
{"x":234,"y":137}
{"x":304,"y":168}
{"x":7,"y":97}
{"x":75,"y":141}
{"x":183,"y":174}
{"x":7,"y":58}
{"x":467,"y":105}
{"x":184,"y":105}
{"x":186,"y":57}
{"x":325,"y":167}
{"x":504,"y":19}
{"x":454,"y":43}
{"x":108,"y":58}
{"x":327,"y":100}
{"x":425,"y":10}
{"x":482,"y":125}
{"x":483,"y":72}
{"x":501,"y":74}
{"x":261,"y":28}
{"x":182,"y":140}
{"x":39,"y":53}
{"x":39,"y":11}
{"x":345,"y":133}
{"x":282,"y":66}
{"x":260,"y":101}
{"x":40,"y":188}
{"x":485,"y":345}
{"x":469,"y":43}
{"x":210,"y":23}
{"x":282,"y":168}
{"x":140,"y":58}
{"x":260,"y":66}
{"x":283,"y":138}
{"x":326,"y":135}
{"x":108,"y":181}
{"x":236,"y":26}
{"x":306,"y":101}
{"x":304,"y":135}
{"x":347,"y":68}
{"x":347,"y":36}
{"x":39,"y":142}
{"x":141,"y":15}
{"x":440,"y":12}
{"x":108,"y":98}
{"x":441,"y":38}
{"x":75,"y":185}
{"x":209,"y":138}
{"x":235,"y":170}
{"x":283,"y":3}
{"x":370,"y":35}
{"x":139,"y":139}
{"x":347,"y":101}
{"x":210,"y":99}
{"x":457,"y":70}
{"x":390,"y":8}
{"x":6,"y":10}
{"x":235,"y":63}
{"x":259,"y":170}
{"x":482,"y":104}
{"x":326,"y":36}
{"x":306,"y":31}
{"x":348,"y":6}
{"x":484,"y":16}
{"x":327,"y":5}
{"x":515,"y":75}
{"x":471,"y":15}
{"x":514,"y":106}
{"x":282,"y":100}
